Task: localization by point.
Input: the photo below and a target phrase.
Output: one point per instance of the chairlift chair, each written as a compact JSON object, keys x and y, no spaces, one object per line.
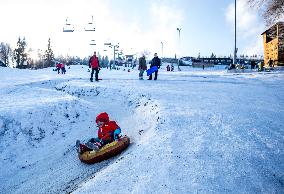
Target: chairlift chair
{"x":90,"y":29}
{"x":68,"y":30}
{"x":93,"y":42}
{"x":90,"y":26}
{"x":68,"y":27}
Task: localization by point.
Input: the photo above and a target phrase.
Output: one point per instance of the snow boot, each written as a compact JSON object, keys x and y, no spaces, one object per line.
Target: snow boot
{"x":92,"y":146}
{"x":78,"y":147}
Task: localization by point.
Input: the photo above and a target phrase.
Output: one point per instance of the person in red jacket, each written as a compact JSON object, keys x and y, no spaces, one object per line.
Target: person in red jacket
{"x":58,"y":67}
{"x":108,"y":132}
{"x":95,"y":65}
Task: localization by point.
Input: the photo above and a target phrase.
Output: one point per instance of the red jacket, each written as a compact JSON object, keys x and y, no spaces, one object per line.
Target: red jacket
{"x":59,"y":65}
{"x":94,"y":62}
{"x":106,"y":131}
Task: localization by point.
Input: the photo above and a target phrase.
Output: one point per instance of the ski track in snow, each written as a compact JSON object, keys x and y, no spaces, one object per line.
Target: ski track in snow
{"x":189,"y":133}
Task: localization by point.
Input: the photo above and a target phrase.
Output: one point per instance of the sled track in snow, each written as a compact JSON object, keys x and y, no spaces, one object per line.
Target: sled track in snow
{"x":60,"y":169}
{"x":134,"y":102}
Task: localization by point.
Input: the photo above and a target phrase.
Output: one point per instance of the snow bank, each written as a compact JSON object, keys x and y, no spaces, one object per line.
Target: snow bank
{"x":41,"y":120}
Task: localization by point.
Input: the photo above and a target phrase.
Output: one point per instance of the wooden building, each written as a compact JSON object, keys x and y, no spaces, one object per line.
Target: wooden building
{"x":273,"y":42}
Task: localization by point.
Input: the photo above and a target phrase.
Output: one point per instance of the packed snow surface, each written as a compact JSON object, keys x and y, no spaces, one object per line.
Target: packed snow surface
{"x":191,"y":131}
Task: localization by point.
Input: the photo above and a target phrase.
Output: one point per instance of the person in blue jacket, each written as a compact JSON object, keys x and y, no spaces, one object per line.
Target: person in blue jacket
{"x":156,"y":61}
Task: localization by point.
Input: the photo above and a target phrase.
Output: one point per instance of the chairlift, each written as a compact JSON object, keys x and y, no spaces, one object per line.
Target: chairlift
{"x":92,"y":20}
{"x":90,"y":26}
{"x":68,"y":27}
{"x":93,"y":42}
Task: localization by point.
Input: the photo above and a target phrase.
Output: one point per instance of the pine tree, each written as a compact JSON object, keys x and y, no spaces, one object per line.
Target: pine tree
{"x":5,"y":53}
{"x":213,"y":56}
{"x":20,"y":54}
{"x":106,"y":61}
{"x":49,"y":56}
{"x":102,"y":64}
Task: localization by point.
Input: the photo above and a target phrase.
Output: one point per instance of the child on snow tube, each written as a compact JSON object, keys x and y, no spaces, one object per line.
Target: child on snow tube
{"x":108,"y":132}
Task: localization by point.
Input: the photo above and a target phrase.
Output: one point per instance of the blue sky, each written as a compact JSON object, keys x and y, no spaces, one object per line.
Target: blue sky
{"x":137,"y":25}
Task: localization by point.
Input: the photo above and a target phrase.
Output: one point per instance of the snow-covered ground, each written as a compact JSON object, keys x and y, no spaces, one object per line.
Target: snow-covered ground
{"x":191,"y":131}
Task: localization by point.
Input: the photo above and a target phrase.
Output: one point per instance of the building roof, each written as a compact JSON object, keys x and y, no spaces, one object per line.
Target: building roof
{"x":278,"y":23}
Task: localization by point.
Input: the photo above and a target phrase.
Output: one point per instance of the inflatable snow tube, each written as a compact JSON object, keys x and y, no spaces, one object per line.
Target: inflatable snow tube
{"x":106,"y":152}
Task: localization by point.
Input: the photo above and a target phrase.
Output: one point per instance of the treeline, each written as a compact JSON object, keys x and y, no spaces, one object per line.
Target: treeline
{"x":21,"y":57}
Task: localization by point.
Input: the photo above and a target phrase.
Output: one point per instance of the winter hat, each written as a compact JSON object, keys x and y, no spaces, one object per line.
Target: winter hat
{"x":102,"y":117}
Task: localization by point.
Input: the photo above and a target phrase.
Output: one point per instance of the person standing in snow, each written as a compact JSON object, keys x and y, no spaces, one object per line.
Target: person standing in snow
{"x":252,"y":64}
{"x":156,"y":61}
{"x":95,"y":65}
{"x":168,"y":68}
{"x":63,"y":70}
{"x":270,"y":63}
{"x":108,"y":132}
{"x":142,"y":66}
{"x":58,"y":67}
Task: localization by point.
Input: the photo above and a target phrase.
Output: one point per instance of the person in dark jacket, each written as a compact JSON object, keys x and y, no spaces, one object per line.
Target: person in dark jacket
{"x":156,"y":61}
{"x":142,"y":66}
{"x":252,"y":64}
{"x":95,"y":65}
{"x":63,"y":70}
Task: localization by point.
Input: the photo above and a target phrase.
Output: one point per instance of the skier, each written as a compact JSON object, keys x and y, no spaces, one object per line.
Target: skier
{"x":156,"y":61}
{"x":108,"y":132}
{"x":95,"y":65}
{"x":142,"y":66}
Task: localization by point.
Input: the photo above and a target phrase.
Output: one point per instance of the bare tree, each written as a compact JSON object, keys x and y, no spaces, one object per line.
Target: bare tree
{"x":271,"y":10}
{"x":146,"y":53}
{"x":5,"y":53}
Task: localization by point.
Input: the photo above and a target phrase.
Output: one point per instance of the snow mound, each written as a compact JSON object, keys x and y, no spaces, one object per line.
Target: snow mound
{"x":39,"y":127}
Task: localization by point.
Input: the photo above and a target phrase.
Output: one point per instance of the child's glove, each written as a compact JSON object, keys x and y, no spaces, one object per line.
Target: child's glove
{"x":116,"y":133}
{"x":92,"y":140}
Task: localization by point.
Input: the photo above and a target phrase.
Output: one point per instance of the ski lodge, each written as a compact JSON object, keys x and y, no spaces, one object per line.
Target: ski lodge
{"x":273,"y":43}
